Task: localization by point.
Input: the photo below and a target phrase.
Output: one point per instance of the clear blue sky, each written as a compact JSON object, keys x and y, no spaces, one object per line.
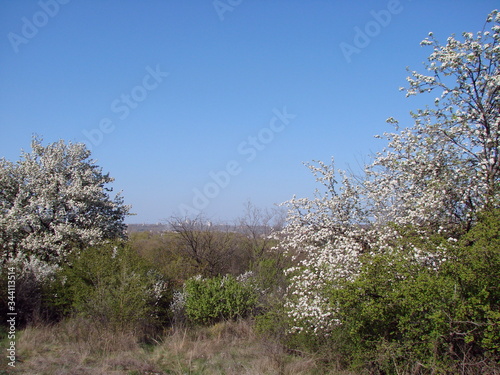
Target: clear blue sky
{"x":170,"y":93}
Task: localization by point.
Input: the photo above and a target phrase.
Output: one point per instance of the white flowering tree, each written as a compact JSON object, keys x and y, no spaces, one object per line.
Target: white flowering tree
{"x":434,"y":176}
{"x":447,"y":166}
{"x":54,"y":200}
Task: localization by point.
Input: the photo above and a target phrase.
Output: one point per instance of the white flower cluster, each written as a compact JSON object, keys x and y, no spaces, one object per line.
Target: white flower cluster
{"x":326,"y":236}
{"x":54,"y":201}
{"x":433,"y":177}
{"x":31,"y":266}
{"x":159,"y":286}
{"x":178,"y":304}
{"x":245,"y":278}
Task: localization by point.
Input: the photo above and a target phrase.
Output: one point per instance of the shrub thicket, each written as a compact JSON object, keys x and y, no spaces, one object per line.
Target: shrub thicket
{"x":112,"y":284}
{"x":218,"y":298}
{"x":402,"y":317}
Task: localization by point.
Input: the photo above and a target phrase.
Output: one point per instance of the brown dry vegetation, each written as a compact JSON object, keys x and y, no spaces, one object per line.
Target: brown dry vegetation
{"x":79,"y":347}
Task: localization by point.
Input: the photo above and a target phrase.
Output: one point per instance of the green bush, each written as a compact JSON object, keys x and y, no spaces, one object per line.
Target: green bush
{"x":112,"y":284}
{"x":218,"y":298}
{"x":403,"y":316}
{"x":438,"y":313}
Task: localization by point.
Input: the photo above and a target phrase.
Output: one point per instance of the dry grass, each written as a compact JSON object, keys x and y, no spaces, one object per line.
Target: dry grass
{"x":79,"y":347}
{"x":226,"y":348}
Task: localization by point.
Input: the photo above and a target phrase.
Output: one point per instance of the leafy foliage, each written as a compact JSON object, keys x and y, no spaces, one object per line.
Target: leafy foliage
{"x":218,"y":298}
{"x":112,"y":284}
{"x":400,"y":262}
{"x":432,"y":317}
{"x":392,"y":272}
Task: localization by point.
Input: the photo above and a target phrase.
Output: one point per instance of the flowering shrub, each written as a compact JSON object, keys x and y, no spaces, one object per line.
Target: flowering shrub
{"x":55,"y":200}
{"x":435,"y":176}
{"x":399,"y":312}
{"x":374,"y":253}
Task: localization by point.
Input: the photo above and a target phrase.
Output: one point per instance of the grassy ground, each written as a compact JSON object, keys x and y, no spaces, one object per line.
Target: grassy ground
{"x":79,"y":347}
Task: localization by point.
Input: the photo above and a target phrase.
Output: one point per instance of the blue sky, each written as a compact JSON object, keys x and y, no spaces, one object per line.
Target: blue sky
{"x":203,"y":105}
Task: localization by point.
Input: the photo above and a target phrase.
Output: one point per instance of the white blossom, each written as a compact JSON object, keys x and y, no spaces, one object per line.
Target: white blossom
{"x":433,"y":176}
{"x":54,"y":201}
